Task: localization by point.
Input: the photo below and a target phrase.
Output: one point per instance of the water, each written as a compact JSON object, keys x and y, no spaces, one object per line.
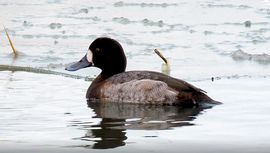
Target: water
{"x":224,"y":40}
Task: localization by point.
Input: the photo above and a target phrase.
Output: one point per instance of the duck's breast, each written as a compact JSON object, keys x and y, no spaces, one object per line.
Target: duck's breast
{"x":138,"y":91}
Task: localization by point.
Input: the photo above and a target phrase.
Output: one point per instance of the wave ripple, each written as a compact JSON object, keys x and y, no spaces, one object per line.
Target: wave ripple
{"x":260,"y":58}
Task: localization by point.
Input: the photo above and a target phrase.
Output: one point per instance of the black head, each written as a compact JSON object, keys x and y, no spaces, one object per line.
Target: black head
{"x":104,"y":53}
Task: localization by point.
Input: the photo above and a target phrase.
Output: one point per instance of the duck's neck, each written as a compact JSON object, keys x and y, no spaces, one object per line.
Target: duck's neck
{"x":106,"y":74}
{"x":111,"y":68}
{"x":99,"y":80}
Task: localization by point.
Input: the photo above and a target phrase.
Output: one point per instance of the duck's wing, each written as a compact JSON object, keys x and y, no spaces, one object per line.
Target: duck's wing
{"x":181,"y":92}
{"x":188,"y":94}
{"x":179,"y":85}
{"x":138,"y":91}
{"x":176,"y":84}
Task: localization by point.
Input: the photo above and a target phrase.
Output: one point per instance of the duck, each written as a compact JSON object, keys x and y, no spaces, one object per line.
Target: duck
{"x":115,"y":84}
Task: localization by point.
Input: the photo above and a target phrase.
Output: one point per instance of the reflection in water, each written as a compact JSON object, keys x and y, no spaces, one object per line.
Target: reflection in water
{"x":116,"y":118}
{"x":107,"y":136}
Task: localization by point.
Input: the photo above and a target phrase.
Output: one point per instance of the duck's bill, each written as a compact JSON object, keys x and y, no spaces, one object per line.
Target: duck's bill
{"x":83,"y":63}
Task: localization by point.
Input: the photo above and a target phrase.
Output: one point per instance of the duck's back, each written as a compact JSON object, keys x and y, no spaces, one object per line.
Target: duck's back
{"x":147,"y":87}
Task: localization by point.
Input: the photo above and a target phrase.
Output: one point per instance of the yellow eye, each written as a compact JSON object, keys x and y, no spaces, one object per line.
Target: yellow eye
{"x":97,"y":49}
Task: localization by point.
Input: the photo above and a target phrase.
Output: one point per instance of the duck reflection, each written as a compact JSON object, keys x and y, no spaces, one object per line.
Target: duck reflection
{"x":117,"y":118}
{"x":105,"y":135}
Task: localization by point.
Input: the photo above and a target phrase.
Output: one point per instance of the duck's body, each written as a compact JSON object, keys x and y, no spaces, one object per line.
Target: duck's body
{"x":144,"y":87}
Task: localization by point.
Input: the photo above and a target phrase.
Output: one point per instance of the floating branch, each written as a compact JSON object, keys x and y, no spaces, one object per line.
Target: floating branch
{"x":10,"y":42}
{"x":41,"y":71}
{"x":161,"y":56}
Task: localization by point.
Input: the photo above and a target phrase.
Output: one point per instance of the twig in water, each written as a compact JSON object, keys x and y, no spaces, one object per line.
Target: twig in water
{"x":165,"y":68}
{"x":161,"y":56}
{"x":10,"y":42}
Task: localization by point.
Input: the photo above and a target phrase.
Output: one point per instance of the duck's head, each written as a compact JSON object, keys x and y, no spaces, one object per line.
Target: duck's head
{"x":104,"y":53}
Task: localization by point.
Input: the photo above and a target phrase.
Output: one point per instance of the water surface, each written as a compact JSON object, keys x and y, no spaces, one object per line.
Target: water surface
{"x":42,"y":109}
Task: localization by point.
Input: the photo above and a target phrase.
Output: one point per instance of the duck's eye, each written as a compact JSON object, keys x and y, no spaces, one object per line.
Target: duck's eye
{"x":97,"y":49}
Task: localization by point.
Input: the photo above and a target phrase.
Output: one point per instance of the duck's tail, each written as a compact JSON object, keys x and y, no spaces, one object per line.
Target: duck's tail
{"x":195,"y":99}
{"x":201,"y":99}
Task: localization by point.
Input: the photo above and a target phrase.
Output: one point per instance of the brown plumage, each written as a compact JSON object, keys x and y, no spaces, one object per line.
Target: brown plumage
{"x":144,"y":87}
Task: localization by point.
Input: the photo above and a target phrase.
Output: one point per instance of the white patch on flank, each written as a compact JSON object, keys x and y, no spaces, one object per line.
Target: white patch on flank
{"x":89,"y":56}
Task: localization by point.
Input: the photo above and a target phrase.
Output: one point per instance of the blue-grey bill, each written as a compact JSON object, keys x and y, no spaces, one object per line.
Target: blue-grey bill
{"x":83,"y":63}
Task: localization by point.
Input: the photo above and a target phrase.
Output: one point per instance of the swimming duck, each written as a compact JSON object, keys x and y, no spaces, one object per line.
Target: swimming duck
{"x":114,"y":84}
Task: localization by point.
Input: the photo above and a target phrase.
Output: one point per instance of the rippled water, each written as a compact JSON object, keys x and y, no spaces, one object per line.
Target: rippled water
{"x":203,"y":39}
